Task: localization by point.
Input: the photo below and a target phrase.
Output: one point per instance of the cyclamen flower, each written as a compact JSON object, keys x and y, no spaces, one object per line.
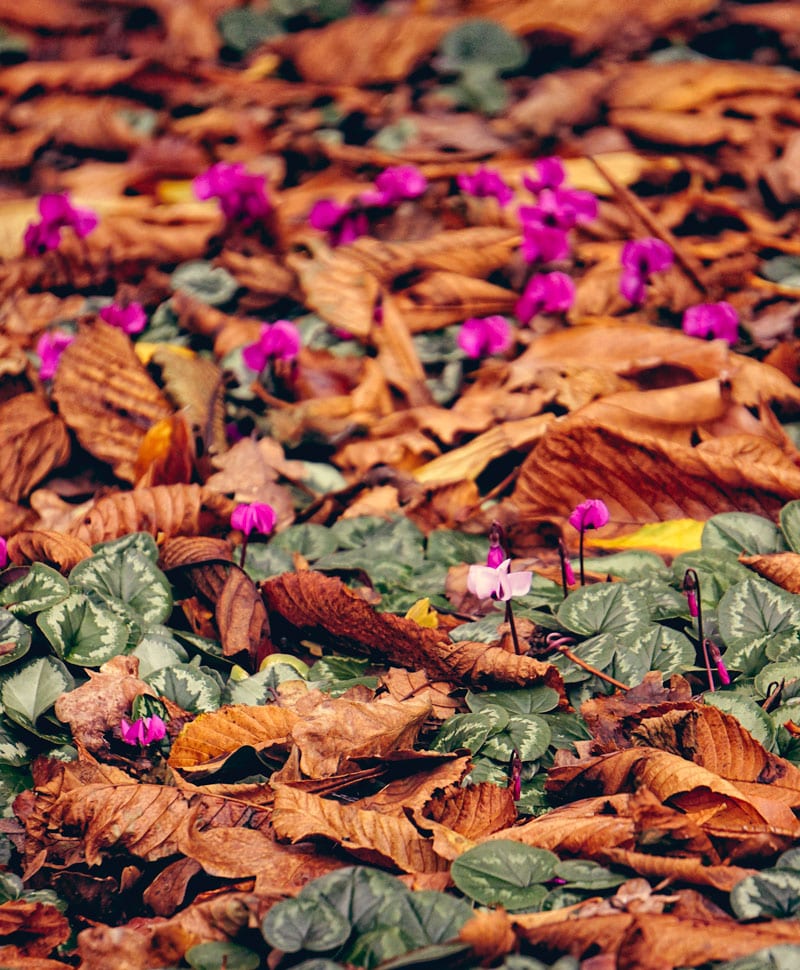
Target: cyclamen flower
{"x":49,"y":348}
{"x":3,"y":553}
{"x":485,"y":183}
{"x":497,"y":582}
{"x":545,"y":293}
{"x":717,"y":320}
{"x":57,"y":213}
{"x":242,"y":195}
{"x":254,"y":517}
{"x":640,"y":259}
{"x":395,"y":184}
{"x":143,"y":731}
{"x":495,"y":554}
{"x":130,"y":318}
{"x":591,"y":514}
{"x":487,"y":335}
{"x":279,"y":340}
{"x":550,"y":174}
{"x":341,"y":222}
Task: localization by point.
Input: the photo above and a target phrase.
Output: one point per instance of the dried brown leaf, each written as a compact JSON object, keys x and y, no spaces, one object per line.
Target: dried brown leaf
{"x":781,"y":568}
{"x":107,"y":397}
{"x":35,"y":441}
{"x":241,"y":618}
{"x":474,"y":812}
{"x":38,"y":928}
{"x":55,"y":549}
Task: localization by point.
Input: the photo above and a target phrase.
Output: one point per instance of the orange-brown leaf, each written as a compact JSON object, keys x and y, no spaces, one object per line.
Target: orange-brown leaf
{"x":55,"y":549}
{"x":35,"y":437}
{"x":781,"y":568}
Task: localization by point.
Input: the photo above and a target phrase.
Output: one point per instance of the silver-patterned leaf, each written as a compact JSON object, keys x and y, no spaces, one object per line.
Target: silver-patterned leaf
{"x":82,"y":632}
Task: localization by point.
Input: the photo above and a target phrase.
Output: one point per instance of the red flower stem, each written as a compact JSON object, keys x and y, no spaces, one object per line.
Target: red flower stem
{"x":583,"y":574}
{"x":244,"y":551}
{"x":707,"y":660}
{"x":592,"y":670}
{"x":512,"y":624}
{"x":562,"y":554}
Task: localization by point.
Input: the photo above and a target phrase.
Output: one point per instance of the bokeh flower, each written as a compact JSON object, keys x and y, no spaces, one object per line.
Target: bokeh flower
{"x":712,"y":320}
{"x":56,"y":213}
{"x":545,"y":293}
{"x":130,"y":318}
{"x":485,"y":183}
{"x":341,"y":222}
{"x":49,"y":348}
{"x":279,"y":341}
{"x":640,"y":259}
{"x":242,"y":195}
{"x":480,"y":336}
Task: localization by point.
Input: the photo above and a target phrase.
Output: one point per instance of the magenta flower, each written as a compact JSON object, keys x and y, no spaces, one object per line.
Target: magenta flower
{"x":717,"y":320}
{"x":56,"y":213}
{"x":480,"y":336}
{"x":254,"y":517}
{"x":716,"y":657}
{"x":49,"y":347}
{"x":395,"y":184}
{"x":545,"y":293}
{"x":143,"y":731}
{"x":3,"y":553}
{"x":495,"y":554}
{"x":485,"y":183}
{"x":130,"y":318}
{"x":279,"y":340}
{"x":242,"y":195}
{"x":497,"y":582}
{"x":640,"y":259}
{"x":342,"y":223}
{"x":591,"y":514}
{"x":550,"y":174}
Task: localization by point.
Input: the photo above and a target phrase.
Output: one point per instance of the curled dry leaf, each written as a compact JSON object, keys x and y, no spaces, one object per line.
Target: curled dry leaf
{"x":241,"y":618}
{"x":163,"y":510}
{"x":38,"y":928}
{"x":192,"y":551}
{"x":36,"y":437}
{"x":475,"y":811}
{"x":781,"y":568}
{"x":490,"y":934}
{"x":96,"y":707}
{"x":107,"y":397}
{"x":322,"y":606}
{"x":372,"y":836}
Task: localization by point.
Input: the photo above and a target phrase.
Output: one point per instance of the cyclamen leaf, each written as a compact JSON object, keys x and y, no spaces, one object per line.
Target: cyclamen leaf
{"x":187,"y":686}
{"x":737,"y":532}
{"x":82,"y":632}
{"x":30,"y":690}
{"x":503,"y":872}
{"x":469,"y":730}
{"x":773,"y":893}
{"x":790,"y":524}
{"x":15,"y":638}
{"x":531,"y":700}
{"x":604,"y":608}
{"x":751,"y":611}
{"x":39,"y":588}
{"x":212,"y":956}
{"x":130,"y":577}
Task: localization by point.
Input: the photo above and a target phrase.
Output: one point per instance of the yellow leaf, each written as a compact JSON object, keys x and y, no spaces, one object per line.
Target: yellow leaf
{"x":145,"y":350}
{"x":666,"y":538}
{"x":175,"y":190}
{"x":422,"y":614}
{"x":262,"y":67}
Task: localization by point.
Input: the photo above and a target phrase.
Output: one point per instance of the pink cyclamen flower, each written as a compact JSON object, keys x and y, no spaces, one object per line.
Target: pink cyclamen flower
{"x":254,"y":517}
{"x":549,"y":174}
{"x":485,"y":183}
{"x":717,"y":320}
{"x":130,"y":318}
{"x":56,"y":213}
{"x":395,"y":184}
{"x":480,"y":336}
{"x":497,"y":582}
{"x":3,"y":553}
{"x":242,"y":195}
{"x":716,"y":656}
{"x":591,"y":514}
{"x":341,"y":222}
{"x":545,"y":293}
{"x":279,"y":340}
{"x":142,"y":731}
{"x":49,"y":348}
{"x":640,"y":259}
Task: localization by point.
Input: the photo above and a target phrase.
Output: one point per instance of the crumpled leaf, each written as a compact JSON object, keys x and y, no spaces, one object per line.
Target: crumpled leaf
{"x":97,"y":706}
{"x":55,"y":549}
{"x":36,"y":437}
{"x":38,"y":928}
{"x":106,"y":397}
{"x":321,"y":605}
{"x":163,"y":510}
{"x":385,"y":839}
{"x":781,"y":568}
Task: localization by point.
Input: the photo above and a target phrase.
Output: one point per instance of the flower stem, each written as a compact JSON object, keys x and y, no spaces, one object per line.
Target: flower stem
{"x":243,"y":553}
{"x":513,"y":625}
{"x":583,"y":574}
{"x":562,"y":555}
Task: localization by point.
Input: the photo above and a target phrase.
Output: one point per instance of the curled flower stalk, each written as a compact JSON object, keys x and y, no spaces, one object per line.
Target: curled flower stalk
{"x":706,"y":648}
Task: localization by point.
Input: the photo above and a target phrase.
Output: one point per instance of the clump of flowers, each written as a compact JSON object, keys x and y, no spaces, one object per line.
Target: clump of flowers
{"x":131,"y":318}
{"x":344,"y":222}
{"x":142,"y":731}
{"x":49,"y":348}
{"x":56,"y":213}
{"x":640,"y":259}
{"x":242,"y":195}
{"x":591,"y":514}
{"x":485,"y":183}
{"x":480,"y":336}
{"x":545,"y":293}
{"x":277,"y":341}
{"x":558,"y":209}
{"x":719,"y":321}
{"x":252,"y":517}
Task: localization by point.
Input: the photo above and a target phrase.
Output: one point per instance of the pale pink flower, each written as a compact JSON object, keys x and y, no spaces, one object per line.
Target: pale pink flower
{"x":497,"y":582}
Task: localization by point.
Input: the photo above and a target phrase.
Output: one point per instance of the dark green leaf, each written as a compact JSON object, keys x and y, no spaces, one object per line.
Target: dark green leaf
{"x":737,"y":532}
{"x":213,"y":956}
{"x":305,"y":923}
{"x":772,"y":893}
{"x":503,"y":872}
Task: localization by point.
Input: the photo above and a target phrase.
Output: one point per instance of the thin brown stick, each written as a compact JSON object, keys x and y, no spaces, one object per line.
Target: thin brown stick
{"x":592,"y":670}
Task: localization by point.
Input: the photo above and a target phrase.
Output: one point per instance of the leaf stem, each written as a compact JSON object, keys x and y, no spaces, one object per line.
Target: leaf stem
{"x":513,"y":625}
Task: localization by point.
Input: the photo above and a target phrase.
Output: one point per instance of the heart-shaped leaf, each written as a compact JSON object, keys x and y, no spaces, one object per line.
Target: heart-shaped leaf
{"x":39,"y":588}
{"x":31,"y":689}
{"x":504,"y":873}
{"x":738,"y":532}
{"x":15,"y":638}
{"x":130,"y":577}
{"x":304,"y":923}
{"x":604,"y":608}
{"x":82,"y":632}
{"x":188,"y":686}
{"x":750,"y":614}
{"x":772,"y":893}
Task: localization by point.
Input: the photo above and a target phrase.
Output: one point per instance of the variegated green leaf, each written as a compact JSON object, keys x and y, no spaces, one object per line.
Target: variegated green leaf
{"x":15,"y":638}
{"x":469,"y":730}
{"x":130,"y":577}
{"x":597,"y":651}
{"x":188,"y":686}
{"x":737,"y":532}
{"x":156,"y":649}
{"x":656,"y":648}
{"x":141,"y":542}
{"x":527,"y":734}
{"x":751,"y":613}
{"x":39,"y":588}
{"x":83,"y":633}
{"x":32,"y":688}
{"x":773,"y":893}
{"x":13,"y":750}
{"x":790,"y":524}
{"x":528,"y":700}
{"x":504,"y":872}
{"x":604,"y":608}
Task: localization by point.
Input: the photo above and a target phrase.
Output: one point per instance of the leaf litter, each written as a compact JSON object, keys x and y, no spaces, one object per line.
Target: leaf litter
{"x":341,"y":193}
